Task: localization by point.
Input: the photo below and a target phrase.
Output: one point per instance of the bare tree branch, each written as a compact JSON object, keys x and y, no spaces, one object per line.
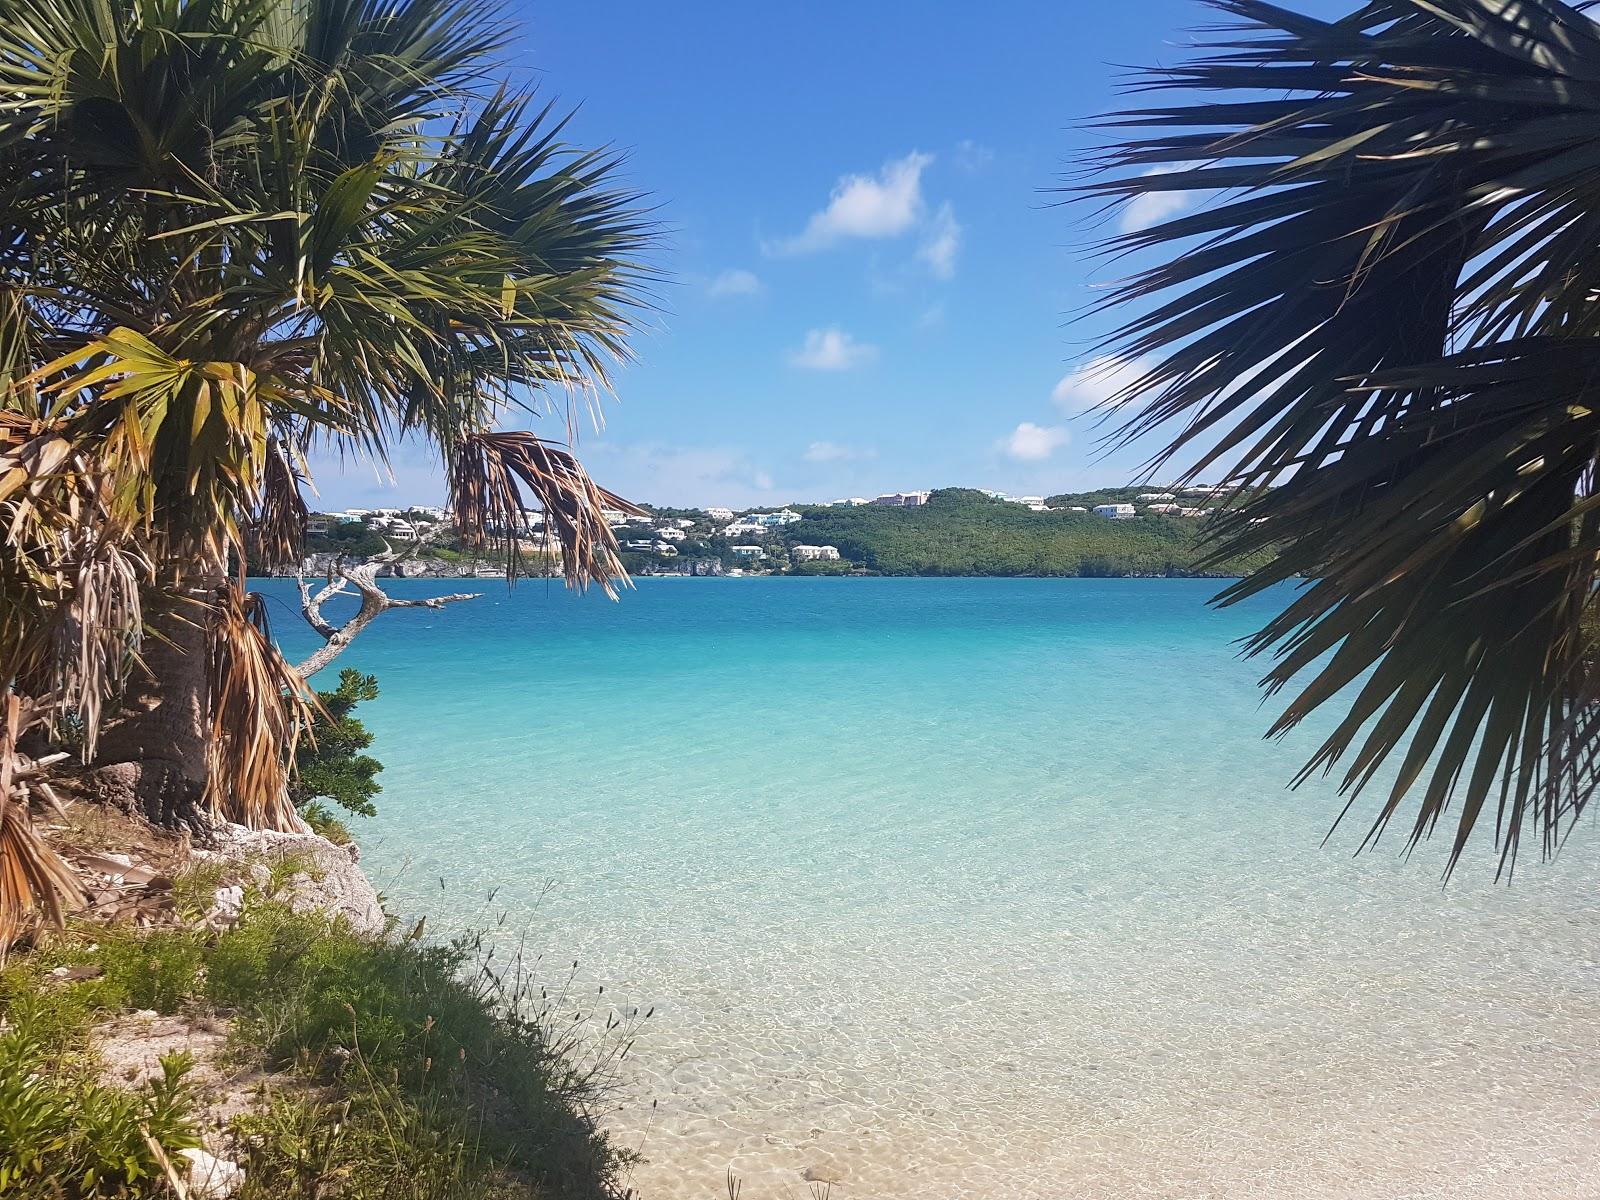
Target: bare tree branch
{"x":374,"y":600}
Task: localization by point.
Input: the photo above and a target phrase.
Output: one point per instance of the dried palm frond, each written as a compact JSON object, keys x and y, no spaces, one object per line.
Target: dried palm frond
{"x":69,"y":577}
{"x":259,"y":709}
{"x":98,"y":635}
{"x":33,"y":878}
{"x":488,"y":475}
{"x":278,"y":528}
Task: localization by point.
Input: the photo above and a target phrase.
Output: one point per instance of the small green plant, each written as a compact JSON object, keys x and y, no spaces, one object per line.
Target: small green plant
{"x":63,"y":1133}
{"x":330,"y":765}
{"x":380,"y":1144}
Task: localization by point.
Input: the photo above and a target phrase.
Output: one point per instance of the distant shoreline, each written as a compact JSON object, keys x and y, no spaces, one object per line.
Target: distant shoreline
{"x":854,"y":575}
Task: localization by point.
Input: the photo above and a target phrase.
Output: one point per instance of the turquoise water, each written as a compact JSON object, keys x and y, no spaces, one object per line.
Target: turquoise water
{"x":981,"y":888}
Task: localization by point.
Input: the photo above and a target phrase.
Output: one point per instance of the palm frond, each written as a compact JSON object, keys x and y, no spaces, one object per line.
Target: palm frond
{"x":259,"y":708}
{"x":1380,"y":325}
{"x":34,"y":879}
{"x":70,"y":577}
{"x":498,"y":479}
{"x":278,"y":528}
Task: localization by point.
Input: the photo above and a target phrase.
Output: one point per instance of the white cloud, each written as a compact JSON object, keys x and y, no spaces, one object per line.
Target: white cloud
{"x":1153,"y":207}
{"x":1096,"y":382}
{"x":831,"y":350}
{"x":1034,"y":443}
{"x":735,"y":282}
{"x":864,"y":206}
{"x":826,"y":452}
{"x":972,"y":157}
{"x":670,"y":474}
{"x":941,"y":243}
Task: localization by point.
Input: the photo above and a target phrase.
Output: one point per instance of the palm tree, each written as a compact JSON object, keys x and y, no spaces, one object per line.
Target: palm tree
{"x":238,"y":231}
{"x":1382,"y":324}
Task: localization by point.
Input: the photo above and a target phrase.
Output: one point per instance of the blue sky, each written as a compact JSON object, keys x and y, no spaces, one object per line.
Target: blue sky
{"x":867,"y":286}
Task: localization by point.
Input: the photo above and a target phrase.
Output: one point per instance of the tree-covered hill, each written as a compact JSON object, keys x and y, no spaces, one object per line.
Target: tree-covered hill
{"x":965,"y":532}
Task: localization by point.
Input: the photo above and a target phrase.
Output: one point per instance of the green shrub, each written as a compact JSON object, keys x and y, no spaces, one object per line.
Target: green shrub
{"x":380,"y":1144}
{"x":330,"y":765}
{"x":159,"y":970}
{"x":63,"y":1133}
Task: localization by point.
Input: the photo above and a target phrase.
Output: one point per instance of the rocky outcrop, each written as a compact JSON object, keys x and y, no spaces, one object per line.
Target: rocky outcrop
{"x":322,"y":876}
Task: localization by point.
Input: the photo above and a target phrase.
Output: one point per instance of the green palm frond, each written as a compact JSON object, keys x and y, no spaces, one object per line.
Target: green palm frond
{"x":1381,"y":327}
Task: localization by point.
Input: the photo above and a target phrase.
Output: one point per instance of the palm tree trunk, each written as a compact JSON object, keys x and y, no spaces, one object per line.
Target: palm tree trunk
{"x":156,"y":758}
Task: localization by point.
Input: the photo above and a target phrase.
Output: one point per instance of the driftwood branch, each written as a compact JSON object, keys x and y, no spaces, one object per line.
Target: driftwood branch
{"x":363,"y":577}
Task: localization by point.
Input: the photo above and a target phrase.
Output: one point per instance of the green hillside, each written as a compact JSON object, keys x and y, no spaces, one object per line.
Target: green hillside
{"x":964,"y":532}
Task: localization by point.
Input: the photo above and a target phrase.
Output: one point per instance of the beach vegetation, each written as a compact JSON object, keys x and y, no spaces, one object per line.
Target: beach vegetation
{"x":392,"y":1066}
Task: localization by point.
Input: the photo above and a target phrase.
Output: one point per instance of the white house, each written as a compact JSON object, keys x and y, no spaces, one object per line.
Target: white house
{"x":720,"y":514}
{"x":665,"y":549}
{"x":740,"y":528}
{"x":774,"y":520}
{"x":1115,"y":512}
{"x":816,"y":553}
{"x":684,"y":523}
{"x":902,"y":499}
{"x":850,"y":502}
{"x":749,"y":551}
{"x":1147,"y":496}
{"x":671,"y":533}
{"x":1077,"y":508}
{"x":1167,"y":510}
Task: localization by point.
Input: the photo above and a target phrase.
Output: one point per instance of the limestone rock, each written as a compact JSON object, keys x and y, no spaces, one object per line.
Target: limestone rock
{"x":212,"y":1178}
{"x":226,"y":906}
{"x":331,"y":879}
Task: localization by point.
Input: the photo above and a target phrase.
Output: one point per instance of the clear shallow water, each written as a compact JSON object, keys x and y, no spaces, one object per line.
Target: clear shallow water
{"x":975,"y":888}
